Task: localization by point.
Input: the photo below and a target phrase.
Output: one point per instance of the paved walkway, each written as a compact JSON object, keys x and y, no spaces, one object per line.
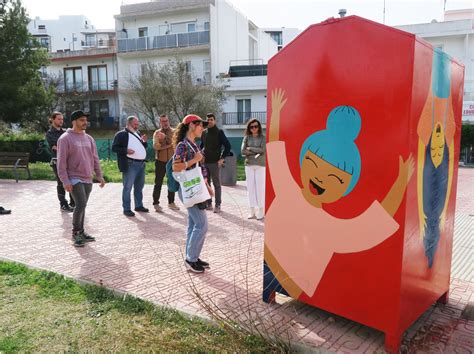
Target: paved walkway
{"x":143,"y":256}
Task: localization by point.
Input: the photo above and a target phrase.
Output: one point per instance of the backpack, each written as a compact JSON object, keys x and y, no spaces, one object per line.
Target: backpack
{"x":172,"y":184}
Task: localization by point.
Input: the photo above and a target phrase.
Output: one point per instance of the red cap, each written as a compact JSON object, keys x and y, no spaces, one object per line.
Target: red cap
{"x":193,"y":118}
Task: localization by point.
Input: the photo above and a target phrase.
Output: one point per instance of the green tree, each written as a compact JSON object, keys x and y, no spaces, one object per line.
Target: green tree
{"x":171,"y":89}
{"x":23,"y":96}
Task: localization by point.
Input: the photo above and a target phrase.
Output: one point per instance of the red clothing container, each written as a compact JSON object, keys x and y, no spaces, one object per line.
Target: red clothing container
{"x":407,"y":97}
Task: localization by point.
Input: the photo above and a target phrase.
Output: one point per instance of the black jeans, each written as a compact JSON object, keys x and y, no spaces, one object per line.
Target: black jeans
{"x":160,"y":172}
{"x":80,"y":192}
{"x":60,"y":188}
{"x":214,"y":178}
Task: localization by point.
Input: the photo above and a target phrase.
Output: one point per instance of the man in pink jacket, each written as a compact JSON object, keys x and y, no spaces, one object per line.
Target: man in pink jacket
{"x":77,"y":162}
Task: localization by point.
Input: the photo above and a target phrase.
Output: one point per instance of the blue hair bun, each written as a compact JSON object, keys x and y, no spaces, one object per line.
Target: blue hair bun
{"x":345,"y":121}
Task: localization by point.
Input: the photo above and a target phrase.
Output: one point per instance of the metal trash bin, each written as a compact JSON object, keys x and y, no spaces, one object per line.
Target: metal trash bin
{"x":228,"y":172}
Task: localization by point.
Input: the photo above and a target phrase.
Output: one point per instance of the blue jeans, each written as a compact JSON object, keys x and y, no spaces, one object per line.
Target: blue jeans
{"x":196,"y":234}
{"x":134,"y":177}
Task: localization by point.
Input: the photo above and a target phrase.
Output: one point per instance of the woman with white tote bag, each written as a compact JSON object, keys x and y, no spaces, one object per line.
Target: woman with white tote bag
{"x":194,"y":189}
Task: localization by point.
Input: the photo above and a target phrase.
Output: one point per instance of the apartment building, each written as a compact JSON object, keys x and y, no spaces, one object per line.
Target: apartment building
{"x":84,"y":65}
{"x":282,"y":35}
{"x":217,"y":41}
{"x":61,"y":34}
{"x":88,"y":81}
{"x":455,"y":36}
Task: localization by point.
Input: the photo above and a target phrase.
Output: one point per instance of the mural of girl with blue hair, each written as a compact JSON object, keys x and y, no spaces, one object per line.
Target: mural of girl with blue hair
{"x":436,"y":129}
{"x":296,"y":252}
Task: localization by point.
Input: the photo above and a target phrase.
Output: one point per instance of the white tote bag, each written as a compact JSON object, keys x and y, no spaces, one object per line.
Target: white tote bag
{"x":192,"y":185}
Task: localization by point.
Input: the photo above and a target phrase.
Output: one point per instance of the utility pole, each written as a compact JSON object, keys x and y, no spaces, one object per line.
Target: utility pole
{"x":383,"y":11}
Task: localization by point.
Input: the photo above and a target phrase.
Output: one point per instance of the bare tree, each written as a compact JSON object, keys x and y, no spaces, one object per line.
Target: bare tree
{"x":171,"y":89}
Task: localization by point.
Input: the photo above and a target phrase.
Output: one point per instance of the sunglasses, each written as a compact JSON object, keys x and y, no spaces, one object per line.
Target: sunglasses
{"x":253,"y":126}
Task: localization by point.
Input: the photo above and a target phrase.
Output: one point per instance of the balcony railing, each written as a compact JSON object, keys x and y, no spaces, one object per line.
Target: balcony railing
{"x":89,"y":87}
{"x":241,"y":118}
{"x":101,"y":43}
{"x":177,"y":40}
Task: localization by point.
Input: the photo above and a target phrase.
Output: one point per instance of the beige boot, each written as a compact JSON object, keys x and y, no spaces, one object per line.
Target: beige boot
{"x":260,"y":213}
{"x":252,"y":213}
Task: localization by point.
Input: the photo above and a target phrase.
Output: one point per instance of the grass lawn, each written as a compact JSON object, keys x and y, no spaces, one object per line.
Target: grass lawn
{"x":42,"y":171}
{"x":44,"y":311}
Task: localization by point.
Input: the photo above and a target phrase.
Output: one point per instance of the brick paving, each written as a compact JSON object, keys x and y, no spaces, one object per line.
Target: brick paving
{"x":143,"y":256}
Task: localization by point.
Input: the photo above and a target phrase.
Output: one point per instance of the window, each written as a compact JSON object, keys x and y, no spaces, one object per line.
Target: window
{"x":143,"y":32}
{"x":98,"y":78}
{"x":90,"y":40}
{"x":277,"y":37}
{"x":207,"y":72}
{"x":99,"y":110}
{"x":178,"y":27}
{"x":244,"y":109}
{"x":44,"y":42}
{"x":42,"y":27}
{"x":206,"y":26}
{"x":72,"y":106}
{"x":191,"y":27}
{"x":189,"y":67}
{"x":73,"y":79}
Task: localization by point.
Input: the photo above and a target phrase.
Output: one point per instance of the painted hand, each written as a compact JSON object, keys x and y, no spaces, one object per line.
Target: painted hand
{"x":278,"y":100}
{"x":442,"y":220}
{"x":422,"y":225}
{"x":405,"y":169}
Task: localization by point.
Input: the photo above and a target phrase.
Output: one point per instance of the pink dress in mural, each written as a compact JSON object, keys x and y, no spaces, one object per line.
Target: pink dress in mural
{"x":303,"y":238}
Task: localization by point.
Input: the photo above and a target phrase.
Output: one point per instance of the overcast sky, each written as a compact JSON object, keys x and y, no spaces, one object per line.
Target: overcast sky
{"x":269,"y":13}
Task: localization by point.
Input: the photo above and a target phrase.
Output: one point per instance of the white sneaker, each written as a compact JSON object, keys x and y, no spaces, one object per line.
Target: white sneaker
{"x":158,"y":208}
{"x":260,"y":213}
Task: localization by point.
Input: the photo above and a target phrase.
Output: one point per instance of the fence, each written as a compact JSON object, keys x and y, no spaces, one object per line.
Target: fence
{"x":39,"y":150}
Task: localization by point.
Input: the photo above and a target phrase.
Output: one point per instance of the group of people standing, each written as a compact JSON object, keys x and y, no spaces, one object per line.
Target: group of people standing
{"x":75,"y":161}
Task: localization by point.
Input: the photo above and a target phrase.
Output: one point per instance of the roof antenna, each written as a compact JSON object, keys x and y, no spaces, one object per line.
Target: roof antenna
{"x":342,"y":12}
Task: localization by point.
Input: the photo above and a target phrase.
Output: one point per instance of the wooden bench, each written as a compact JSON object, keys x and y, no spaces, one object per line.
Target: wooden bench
{"x":15,"y":160}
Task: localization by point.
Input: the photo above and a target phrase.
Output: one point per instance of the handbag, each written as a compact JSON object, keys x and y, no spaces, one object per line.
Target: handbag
{"x":171,"y":183}
{"x":192,"y":185}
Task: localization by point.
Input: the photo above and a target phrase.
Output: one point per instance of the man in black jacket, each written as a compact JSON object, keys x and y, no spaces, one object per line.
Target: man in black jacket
{"x":56,"y":120}
{"x":213,"y":140}
{"x":130,"y":148}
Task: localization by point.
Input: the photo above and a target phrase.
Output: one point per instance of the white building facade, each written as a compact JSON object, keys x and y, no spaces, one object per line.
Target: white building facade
{"x":84,"y":64}
{"x":218,"y":43}
{"x":88,"y":81}
{"x":62,"y":34}
{"x":455,"y":36}
{"x":282,"y":35}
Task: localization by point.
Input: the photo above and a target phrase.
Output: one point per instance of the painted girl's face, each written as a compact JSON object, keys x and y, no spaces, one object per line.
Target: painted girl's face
{"x":437,"y":145}
{"x":322,"y":182}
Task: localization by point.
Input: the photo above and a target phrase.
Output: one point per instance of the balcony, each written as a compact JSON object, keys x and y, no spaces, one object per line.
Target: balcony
{"x":177,"y":40}
{"x":89,"y":88}
{"x":62,"y":55}
{"x":100,"y":43}
{"x":241,"y":118}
